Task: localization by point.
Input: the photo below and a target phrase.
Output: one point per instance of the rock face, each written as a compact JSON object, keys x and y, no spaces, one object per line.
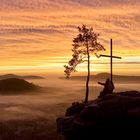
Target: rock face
{"x":15,"y":84}
{"x":113,"y":114}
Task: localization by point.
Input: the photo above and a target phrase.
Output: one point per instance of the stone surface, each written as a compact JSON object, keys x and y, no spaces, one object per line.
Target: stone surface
{"x":112,"y":114}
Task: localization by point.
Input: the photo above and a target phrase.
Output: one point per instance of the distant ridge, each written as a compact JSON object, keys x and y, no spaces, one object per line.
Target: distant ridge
{"x":104,"y":76}
{"x":21,"y":77}
{"x":15,"y":84}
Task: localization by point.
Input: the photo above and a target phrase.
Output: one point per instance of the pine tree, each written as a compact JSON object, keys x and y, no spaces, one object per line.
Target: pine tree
{"x":84,"y":45}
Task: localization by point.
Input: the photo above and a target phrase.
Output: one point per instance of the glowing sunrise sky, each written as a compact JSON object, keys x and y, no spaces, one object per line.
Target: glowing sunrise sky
{"x":36,"y":35}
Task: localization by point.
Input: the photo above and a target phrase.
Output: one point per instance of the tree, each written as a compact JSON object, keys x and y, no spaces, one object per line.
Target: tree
{"x":84,"y":45}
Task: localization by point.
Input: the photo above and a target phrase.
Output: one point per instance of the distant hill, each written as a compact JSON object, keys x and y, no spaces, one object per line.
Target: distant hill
{"x":15,"y":84}
{"x":21,"y":77}
{"x":104,"y":76}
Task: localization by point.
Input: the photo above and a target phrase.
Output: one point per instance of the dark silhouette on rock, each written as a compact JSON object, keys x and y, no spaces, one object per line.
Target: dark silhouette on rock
{"x":108,"y":88}
{"x":114,"y":114}
{"x":15,"y":84}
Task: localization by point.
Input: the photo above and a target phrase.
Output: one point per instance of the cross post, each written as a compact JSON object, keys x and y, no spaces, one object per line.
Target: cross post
{"x":111,"y":59}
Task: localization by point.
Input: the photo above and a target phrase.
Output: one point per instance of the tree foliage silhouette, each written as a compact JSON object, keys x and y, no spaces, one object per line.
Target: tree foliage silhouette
{"x":84,"y":45}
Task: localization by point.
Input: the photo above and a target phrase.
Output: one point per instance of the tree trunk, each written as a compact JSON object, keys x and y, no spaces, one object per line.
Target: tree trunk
{"x":88,"y":76}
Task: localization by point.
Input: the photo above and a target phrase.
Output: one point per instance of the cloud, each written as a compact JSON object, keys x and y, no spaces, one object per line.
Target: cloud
{"x":32,"y":4}
{"x":44,"y":4}
{"x":30,"y":30}
{"x":124,"y":21}
{"x":38,"y":34}
{"x":103,"y":3}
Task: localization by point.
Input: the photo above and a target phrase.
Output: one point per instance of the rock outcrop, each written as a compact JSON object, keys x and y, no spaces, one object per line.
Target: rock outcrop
{"x":113,"y":114}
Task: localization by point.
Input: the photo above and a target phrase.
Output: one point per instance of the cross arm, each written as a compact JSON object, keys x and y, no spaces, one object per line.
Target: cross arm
{"x":109,"y":56}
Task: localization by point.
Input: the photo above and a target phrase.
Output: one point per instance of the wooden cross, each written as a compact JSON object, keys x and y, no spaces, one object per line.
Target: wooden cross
{"x":111,"y":61}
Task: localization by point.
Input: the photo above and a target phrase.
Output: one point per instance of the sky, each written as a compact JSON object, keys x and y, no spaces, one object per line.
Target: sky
{"x":36,"y":35}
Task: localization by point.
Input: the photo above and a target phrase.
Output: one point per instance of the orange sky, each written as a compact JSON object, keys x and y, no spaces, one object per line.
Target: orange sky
{"x":36,"y":35}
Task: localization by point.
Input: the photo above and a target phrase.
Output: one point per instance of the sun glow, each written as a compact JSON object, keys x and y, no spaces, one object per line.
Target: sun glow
{"x":40,"y":37}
